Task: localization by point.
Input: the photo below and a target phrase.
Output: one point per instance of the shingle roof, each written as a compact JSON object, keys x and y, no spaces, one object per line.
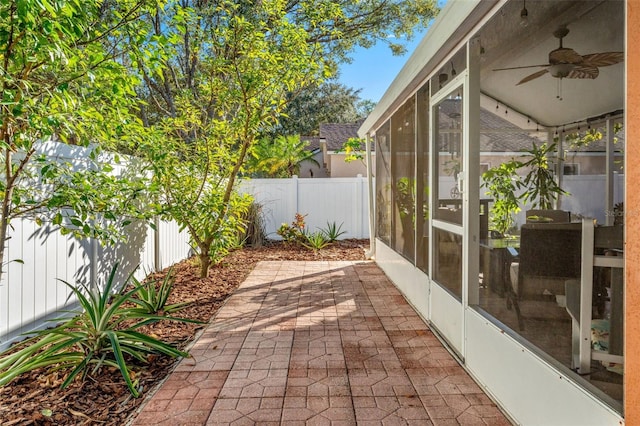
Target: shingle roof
{"x":336,"y":134}
{"x":503,"y":140}
{"x":314,"y":142}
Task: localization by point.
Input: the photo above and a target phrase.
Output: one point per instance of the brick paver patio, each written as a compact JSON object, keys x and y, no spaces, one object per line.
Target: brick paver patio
{"x":318,"y":343}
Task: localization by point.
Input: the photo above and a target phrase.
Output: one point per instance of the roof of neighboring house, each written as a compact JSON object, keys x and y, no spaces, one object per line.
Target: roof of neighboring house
{"x":314,"y":142}
{"x":334,"y":134}
{"x":497,"y":134}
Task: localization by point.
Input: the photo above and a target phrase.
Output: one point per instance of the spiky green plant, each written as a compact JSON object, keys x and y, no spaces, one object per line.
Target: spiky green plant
{"x":103,"y":334}
{"x":315,"y":241}
{"x":152,"y":299}
{"x":333,"y":231}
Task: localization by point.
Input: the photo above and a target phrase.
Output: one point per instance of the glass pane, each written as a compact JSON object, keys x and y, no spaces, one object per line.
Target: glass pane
{"x":383,"y":183}
{"x":530,"y":260}
{"x":447,"y":261}
{"x":422,"y":189}
{"x":403,"y":178}
{"x":449,"y":165}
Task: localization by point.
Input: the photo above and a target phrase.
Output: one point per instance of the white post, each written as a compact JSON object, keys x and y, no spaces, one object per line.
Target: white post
{"x":156,"y":245}
{"x":586,"y":292}
{"x":94,"y":264}
{"x":294,"y":194}
{"x":371,"y":190}
{"x":358,"y":207}
{"x":560,"y":167}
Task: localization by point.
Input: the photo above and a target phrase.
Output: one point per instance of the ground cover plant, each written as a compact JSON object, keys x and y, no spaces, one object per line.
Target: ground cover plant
{"x":104,"y":333}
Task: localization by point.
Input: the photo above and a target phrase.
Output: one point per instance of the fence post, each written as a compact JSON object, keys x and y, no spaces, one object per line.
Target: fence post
{"x":294,"y":194}
{"x":93,"y":262}
{"x":359,"y":205}
{"x":156,"y":245}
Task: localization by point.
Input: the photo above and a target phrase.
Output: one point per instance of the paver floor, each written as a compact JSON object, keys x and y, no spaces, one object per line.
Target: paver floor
{"x":318,"y":343}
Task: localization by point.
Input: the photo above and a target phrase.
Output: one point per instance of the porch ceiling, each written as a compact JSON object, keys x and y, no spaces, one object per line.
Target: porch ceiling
{"x":594,"y":26}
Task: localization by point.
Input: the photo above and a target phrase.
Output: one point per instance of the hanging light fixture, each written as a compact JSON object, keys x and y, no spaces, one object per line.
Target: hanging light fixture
{"x":524,"y":14}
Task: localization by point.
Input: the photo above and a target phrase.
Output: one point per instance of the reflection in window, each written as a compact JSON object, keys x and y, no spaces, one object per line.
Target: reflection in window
{"x":449,"y":148}
{"x":530,"y":262}
{"x":383,"y":183}
{"x":447,"y":261}
{"x":403,"y":178}
{"x":422,"y":179}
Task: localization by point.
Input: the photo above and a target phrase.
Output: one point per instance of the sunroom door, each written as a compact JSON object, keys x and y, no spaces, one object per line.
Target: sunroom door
{"x":448,"y":251}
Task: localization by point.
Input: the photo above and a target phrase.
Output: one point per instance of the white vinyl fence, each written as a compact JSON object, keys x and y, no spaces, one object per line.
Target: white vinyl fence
{"x":586,"y":195}
{"x":343,"y":201}
{"x":39,"y":258}
{"x":32,"y":291}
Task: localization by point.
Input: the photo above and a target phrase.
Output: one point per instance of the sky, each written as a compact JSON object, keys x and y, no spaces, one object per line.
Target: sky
{"x":373,"y":70}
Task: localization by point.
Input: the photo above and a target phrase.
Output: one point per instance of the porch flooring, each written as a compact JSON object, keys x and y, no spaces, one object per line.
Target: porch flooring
{"x":318,"y":343}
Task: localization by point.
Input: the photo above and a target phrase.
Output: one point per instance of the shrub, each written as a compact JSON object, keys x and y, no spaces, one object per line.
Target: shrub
{"x":104,"y":334}
{"x":296,"y":232}
{"x":254,"y":234}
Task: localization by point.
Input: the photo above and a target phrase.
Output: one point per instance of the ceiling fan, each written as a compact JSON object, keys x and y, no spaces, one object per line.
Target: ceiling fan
{"x":565,"y":62}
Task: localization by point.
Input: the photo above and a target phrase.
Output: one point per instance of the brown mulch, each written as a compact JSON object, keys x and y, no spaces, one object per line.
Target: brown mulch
{"x":36,"y":398}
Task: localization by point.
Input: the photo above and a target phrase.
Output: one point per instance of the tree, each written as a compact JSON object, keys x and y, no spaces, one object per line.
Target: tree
{"x":280,"y":157}
{"x":222,"y":81}
{"x":329,"y":102}
{"x":61,"y":78}
{"x":217,"y":76}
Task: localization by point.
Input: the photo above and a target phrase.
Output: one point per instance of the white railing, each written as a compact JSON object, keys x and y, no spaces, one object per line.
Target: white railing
{"x":343,"y":201}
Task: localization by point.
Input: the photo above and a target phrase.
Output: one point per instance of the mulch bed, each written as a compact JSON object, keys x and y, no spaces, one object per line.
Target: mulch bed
{"x":36,"y":398}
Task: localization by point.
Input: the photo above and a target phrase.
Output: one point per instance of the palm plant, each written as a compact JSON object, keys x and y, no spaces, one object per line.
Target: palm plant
{"x":279,"y":157}
{"x":103,"y":334}
{"x":502,"y":182}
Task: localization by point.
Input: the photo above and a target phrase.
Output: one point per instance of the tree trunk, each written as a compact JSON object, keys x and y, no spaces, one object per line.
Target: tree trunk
{"x":205,"y":262}
{"x":5,"y":209}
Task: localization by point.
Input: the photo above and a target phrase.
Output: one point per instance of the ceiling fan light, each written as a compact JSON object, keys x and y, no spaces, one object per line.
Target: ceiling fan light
{"x":524,"y":17}
{"x":560,"y":70}
{"x":524,"y":14}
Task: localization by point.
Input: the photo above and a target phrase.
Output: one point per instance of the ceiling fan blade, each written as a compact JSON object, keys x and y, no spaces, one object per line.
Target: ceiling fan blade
{"x":565,"y":55}
{"x":584,"y":72}
{"x":532,"y":77}
{"x":602,"y":59}
{"x":521,"y":68}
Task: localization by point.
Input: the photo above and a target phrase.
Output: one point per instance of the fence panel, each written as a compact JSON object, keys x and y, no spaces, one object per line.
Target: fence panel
{"x":340,"y":200}
{"x":31,"y":291}
{"x":587,"y":195}
{"x":173,"y":245}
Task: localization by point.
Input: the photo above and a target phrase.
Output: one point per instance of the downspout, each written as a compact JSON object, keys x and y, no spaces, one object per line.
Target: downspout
{"x":372,"y":238}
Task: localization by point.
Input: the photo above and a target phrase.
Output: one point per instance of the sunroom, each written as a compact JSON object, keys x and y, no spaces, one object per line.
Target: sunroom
{"x":500,"y":199}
